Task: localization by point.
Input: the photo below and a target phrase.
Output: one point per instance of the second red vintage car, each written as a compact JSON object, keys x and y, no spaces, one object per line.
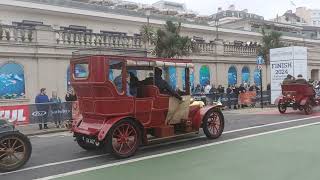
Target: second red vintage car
{"x":298,"y":96}
{"x":119,"y":122}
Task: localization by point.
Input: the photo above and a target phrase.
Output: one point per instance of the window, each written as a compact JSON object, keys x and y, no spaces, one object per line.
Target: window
{"x":257,"y":77}
{"x":12,"y":82}
{"x":232,"y":76}
{"x":191,"y":79}
{"x":172,"y":77}
{"x":245,"y":75}
{"x":115,"y":74}
{"x":204,"y":75}
{"x":81,"y":70}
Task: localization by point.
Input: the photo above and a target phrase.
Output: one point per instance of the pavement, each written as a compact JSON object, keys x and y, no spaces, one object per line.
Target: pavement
{"x":256,"y":144}
{"x":33,"y":129}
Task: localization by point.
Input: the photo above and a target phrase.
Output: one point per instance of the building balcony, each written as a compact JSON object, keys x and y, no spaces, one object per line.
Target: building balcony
{"x":16,"y":34}
{"x":44,"y":35}
{"x":239,"y":50}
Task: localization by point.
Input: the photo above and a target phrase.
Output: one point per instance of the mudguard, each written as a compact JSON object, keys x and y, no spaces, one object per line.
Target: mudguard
{"x":304,"y":101}
{"x":197,"y":120}
{"x":5,"y":126}
{"x":276,"y":102}
{"x":110,"y":122}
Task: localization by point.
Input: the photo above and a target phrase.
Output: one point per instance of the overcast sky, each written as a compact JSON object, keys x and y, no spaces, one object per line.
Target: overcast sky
{"x":267,"y":8}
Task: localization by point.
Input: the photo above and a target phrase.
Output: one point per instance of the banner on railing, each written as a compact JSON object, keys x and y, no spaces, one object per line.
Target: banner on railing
{"x":35,"y":113}
{"x":247,"y":98}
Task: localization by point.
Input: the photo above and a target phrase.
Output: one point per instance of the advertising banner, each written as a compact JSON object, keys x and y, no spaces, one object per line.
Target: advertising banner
{"x":33,"y":113}
{"x":247,"y":98}
{"x":284,"y":61}
{"x":18,"y":115}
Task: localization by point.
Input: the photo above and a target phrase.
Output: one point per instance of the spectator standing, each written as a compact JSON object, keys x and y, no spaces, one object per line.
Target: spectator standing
{"x":42,"y":105}
{"x":56,"y":109}
{"x":71,"y":96}
{"x":236,"y":96}
{"x":229,"y":93}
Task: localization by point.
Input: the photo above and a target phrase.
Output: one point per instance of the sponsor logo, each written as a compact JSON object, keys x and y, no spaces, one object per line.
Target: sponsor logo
{"x":39,"y":113}
{"x":14,"y":114}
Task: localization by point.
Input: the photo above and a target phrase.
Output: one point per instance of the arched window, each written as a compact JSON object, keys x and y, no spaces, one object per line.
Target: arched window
{"x":204,"y":75}
{"x":232,"y":76}
{"x":191,"y":79}
{"x":12,"y":83}
{"x":257,"y":77}
{"x":245,"y":75}
{"x":172,"y":77}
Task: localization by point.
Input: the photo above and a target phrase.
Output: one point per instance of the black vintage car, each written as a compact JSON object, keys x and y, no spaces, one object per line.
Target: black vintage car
{"x":15,"y":148}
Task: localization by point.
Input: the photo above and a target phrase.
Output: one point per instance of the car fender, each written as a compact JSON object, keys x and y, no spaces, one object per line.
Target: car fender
{"x":110,"y":122}
{"x":276,"y":102}
{"x":304,"y":101}
{"x":197,"y":120}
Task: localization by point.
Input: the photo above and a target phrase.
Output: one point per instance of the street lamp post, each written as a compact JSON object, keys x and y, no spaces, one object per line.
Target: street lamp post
{"x":148,"y":13}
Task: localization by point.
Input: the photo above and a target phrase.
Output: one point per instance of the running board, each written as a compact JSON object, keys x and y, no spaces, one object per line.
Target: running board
{"x":178,"y":136}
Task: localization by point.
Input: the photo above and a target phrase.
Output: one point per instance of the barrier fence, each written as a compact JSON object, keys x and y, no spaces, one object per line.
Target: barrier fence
{"x":247,"y":98}
{"x":35,"y":113}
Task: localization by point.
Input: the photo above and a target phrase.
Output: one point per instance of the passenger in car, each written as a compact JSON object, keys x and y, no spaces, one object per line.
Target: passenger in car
{"x":118,"y":83}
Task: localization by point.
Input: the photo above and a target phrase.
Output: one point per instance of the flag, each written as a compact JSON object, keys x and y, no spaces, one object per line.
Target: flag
{"x":292,"y":3}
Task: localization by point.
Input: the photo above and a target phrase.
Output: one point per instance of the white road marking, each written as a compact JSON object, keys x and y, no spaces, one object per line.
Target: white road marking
{"x":172,"y":152}
{"x":162,"y":144}
{"x":54,"y":164}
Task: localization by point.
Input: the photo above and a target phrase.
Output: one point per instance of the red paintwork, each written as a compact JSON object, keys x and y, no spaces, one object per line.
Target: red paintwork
{"x":101,"y":105}
{"x":299,"y":93}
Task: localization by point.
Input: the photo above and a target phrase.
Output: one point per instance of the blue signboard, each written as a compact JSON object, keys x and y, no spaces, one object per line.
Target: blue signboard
{"x":260,"y":60}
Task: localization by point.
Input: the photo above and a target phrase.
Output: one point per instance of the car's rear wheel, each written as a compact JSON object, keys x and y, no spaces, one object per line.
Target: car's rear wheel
{"x":308,"y":108}
{"x":87,"y":143}
{"x":282,"y":107}
{"x":124,"y":139}
{"x":15,"y":151}
{"x":213,"y":124}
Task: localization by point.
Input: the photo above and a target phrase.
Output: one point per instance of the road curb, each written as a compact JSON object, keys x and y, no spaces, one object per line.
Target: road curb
{"x":45,"y":132}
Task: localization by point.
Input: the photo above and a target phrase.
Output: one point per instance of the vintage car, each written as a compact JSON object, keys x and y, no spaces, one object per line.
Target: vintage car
{"x":298,"y":96}
{"x":15,"y":148}
{"x":120,"y":123}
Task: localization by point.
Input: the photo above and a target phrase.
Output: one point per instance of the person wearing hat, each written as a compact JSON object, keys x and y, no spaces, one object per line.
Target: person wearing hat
{"x":301,"y":80}
{"x":163,"y":86}
{"x":288,"y":80}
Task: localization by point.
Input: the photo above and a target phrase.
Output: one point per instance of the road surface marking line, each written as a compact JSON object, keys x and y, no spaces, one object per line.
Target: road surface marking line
{"x":152,"y":146}
{"x":54,"y":164}
{"x":172,"y":152}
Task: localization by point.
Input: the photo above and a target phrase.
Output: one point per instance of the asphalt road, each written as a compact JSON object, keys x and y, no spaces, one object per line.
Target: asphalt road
{"x":58,"y":153}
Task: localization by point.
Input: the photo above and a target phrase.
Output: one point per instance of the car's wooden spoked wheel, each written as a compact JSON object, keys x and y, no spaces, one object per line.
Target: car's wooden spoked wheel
{"x":12,"y":151}
{"x":214,"y":124}
{"x":124,"y":139}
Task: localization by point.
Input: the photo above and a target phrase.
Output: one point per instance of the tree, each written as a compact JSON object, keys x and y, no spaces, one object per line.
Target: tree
{"x":269,"y":41}
{"x":168,"y":41}
{"x":147,"y":34}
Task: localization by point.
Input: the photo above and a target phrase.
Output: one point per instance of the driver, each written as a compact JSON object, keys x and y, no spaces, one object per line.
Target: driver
{"x":163,"y":86}
{"x":301,"y":80}
{"x":288,"y":80}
